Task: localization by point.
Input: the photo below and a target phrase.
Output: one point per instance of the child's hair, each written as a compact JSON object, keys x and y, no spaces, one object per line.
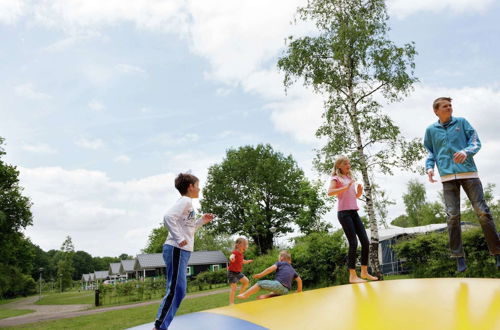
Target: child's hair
{"x":239,"y":240}
{"x":182,"y":182}
{"x":336,"y":166}
{"x":438,"y":101}
{"x":284,"y":255}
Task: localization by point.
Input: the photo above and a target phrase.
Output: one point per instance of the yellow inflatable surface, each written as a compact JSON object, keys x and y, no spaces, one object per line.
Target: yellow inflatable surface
{"x":445,"y":303}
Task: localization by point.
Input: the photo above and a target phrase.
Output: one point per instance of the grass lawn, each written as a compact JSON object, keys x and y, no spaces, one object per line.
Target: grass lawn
{"x":130,"y":317}
{"x":67,"y":298}
{"x":5,"y":313}
{"x":8,"y":301}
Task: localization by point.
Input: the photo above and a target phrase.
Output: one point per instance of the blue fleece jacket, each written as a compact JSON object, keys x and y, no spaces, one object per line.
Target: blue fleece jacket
{"x":442,"y":141}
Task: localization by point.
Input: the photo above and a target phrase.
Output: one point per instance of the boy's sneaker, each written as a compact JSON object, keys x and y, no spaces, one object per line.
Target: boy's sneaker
{"x":461,"y":266}
{"x":498,"y":261}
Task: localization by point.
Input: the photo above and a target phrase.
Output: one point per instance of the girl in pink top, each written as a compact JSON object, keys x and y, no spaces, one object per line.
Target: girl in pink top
{"x":342,"y":185}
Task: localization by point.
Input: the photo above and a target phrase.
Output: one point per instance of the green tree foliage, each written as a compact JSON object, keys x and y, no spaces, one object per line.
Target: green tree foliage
{"x":320,"y":259}
{"x":428,"y":255}
{"x":102,"y":263}
{"x":352,"y":63}
{"x":260,"y":193}
{"x":156,"y":240}
{"x":16,"y":251}
{"x":204,"y":240}
{"x":65,"y":267}
{"x":419,"y":211}
{"x":82,"y":264}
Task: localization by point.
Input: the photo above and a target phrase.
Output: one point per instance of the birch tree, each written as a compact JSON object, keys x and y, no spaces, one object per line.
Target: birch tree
{"x":351,"y":62}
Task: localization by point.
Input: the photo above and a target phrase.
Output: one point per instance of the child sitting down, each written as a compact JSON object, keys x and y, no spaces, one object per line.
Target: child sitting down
{"x":282,"y":283}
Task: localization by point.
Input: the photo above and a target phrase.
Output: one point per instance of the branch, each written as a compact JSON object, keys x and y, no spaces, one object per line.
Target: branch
{"x":370,"y":93}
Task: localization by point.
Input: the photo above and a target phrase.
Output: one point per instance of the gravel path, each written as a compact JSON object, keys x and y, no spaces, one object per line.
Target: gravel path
{"x":53,"y":312}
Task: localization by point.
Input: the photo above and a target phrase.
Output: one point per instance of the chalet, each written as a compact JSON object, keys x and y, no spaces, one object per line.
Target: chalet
{"x":150,"y":265}
{"x":87,"y":281}
{"x":127,"y":269}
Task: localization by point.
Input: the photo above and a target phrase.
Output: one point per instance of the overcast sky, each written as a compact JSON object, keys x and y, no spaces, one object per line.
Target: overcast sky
{"x":102,"y":103}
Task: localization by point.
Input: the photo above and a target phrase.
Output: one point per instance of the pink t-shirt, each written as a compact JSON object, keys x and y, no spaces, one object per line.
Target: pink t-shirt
{"x":347,"y":199}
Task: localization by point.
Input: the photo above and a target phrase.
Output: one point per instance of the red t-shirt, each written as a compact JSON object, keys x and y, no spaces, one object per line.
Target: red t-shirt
{"x":237,"y":264}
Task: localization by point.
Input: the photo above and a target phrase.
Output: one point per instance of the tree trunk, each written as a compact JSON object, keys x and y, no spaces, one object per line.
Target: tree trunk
{"x":374,"y":258}
{"x":263,"y":242}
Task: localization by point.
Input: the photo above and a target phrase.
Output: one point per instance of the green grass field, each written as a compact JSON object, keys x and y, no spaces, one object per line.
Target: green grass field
{"x":130,"y":317}
{"x":8,"y":301}
{"x":5,"y":313}
{"x":67,"y":298}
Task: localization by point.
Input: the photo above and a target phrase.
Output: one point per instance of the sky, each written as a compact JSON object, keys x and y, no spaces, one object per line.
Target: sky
{"x":103,"y":103}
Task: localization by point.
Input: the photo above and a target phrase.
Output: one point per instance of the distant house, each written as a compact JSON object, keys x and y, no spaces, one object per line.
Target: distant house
{"x":101,"y":275}
{"x":127,"y":269}
{"x":149,"y":265}
{"x":87,"y":281}
{"x":114,"y":271}
{"x":388,"y":237}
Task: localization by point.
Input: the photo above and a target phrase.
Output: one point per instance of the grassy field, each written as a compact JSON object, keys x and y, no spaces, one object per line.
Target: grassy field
{"x":5,"y":313}
{"x":8,"y":301}
{"x":67,"y":298}
{"x":129,"y":317}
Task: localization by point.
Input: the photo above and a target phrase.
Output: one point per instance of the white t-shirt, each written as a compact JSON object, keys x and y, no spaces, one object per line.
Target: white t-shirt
{"x":181,"y":224}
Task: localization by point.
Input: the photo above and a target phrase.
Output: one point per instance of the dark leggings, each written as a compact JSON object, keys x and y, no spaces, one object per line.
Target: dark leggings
{"x":352,"y":225}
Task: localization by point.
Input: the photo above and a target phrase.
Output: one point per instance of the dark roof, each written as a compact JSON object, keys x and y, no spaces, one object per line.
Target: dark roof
{"x":127,"y":266}
{"x":149,"y":261}
{"x":114,"y":268}
{"x":155,"y":260}
{"x":101,"y":274}
{"x":207,"y":257}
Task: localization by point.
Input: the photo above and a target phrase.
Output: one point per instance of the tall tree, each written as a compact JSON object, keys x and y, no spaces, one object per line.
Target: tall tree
{"x":353,"y":65}
{"x":260,"y":193}
{"x":16,"y":251}
{"x":65,"y":267}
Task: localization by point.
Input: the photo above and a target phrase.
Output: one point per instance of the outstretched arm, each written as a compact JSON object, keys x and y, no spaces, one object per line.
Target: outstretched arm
{"x":266,"y":271}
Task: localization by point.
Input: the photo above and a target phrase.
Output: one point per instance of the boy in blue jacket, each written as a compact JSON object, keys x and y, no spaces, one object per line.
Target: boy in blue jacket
{"x":452,"y":142}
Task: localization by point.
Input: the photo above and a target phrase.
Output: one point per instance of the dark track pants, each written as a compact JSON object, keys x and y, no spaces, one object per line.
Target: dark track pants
{"x":176,"y":261}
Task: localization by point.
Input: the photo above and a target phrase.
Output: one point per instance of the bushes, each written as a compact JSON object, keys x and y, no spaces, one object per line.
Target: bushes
{"x":14,"y":283}
{"x":320,"y":259}
{"x":428,"y":255}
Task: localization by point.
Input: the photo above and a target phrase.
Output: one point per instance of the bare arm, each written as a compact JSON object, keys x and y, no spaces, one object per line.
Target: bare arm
{"x":247,"y":261}
{"x":333,"y":190}
{"x":266,"y":271}
{"x":299,"y":284}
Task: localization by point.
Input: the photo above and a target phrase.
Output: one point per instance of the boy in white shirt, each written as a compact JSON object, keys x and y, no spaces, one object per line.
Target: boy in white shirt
{"x":181,"y":224}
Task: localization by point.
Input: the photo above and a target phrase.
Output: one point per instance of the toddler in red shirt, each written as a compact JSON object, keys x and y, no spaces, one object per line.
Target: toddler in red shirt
{"x":234,"y":274}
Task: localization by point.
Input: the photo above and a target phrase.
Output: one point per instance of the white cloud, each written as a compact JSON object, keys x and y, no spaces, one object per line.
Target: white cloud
{"x":29,"y":91}
{"x":403,"y":8}
{"x":11,"y":10}
{"x":90,"y":144}
{"x":96,"y":105}
{"x":122,"y":159}
{"x":39,"y":148}
{"x":78,"y":15}
{"x":103,"y":216}
{"x":97,"y":212}
{"x":129,"y":69}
